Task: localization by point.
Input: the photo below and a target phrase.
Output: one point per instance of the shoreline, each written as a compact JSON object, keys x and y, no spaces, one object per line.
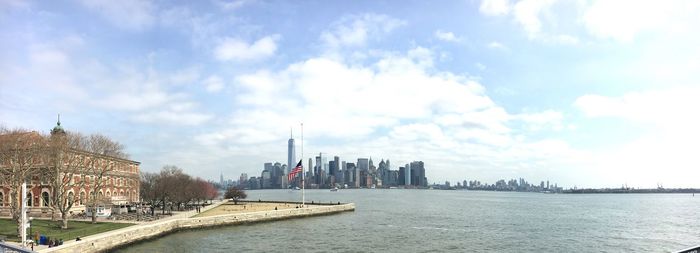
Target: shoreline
{"x":120,"y":238}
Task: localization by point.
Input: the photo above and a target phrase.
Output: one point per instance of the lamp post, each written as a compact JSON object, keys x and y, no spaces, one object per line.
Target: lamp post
{"x":29,"y":224}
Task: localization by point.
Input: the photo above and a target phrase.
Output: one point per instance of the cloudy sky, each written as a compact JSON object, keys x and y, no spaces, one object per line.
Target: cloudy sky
{"x":583,"y":93}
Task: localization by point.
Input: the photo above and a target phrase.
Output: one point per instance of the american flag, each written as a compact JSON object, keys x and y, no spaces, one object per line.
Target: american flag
{"x":294,"y":172}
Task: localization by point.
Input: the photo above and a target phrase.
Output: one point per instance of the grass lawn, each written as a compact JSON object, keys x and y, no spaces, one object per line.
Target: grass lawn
{"x":8,"y":229}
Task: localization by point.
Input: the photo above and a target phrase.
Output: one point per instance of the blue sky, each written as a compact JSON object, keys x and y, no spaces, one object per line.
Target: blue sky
{"x":583,"y":93}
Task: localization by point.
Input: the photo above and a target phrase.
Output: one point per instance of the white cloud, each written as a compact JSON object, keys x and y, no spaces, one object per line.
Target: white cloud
{"x":495,"y":7}
{"x":185,"y":76}
{"x":555,"y":21}
{"x":661,"y":154}
{"x":214,"y":83}
{"x":126,"y":14}
{"x":136,"y":101}
{"x":173,"y":116}
{"x":446,"y":36}
{"x":496,"y":45}
{"x":548,"y":119}
{"x":622,"y":20}
{"x":527,"y":14}
{"x":670,"y":107}
{"x":355,"y":31}
{"x":353,"y":101}
{"x":232,"y":49}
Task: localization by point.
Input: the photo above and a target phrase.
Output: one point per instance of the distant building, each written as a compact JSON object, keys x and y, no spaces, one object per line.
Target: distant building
{"x":243,"y":179}
{"x":407,"y":173}
{"x":265,"y":178}
{"x":291,"y":155}
{"x":419,"y":178}
{"x":363,"y":163}
{"x":336,"y":168}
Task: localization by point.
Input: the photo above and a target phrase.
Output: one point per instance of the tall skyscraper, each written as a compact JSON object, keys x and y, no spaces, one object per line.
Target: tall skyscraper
{"x":407,"y":173}
{"x":311,"y":165}
{"x":291,"y":155}
{"x":243,"y":179}
{"x":321,"y":169}
{"x":418,"y":174}
{"x":336,"y":168}
{"x":363,"y":163}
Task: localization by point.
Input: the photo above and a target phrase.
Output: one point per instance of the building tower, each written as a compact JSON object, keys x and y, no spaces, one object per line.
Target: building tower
{"x":407,"y":174}
{"x":291,"y":156}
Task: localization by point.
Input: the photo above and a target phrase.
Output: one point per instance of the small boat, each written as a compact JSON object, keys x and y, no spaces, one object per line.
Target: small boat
{"x":334,"y":189}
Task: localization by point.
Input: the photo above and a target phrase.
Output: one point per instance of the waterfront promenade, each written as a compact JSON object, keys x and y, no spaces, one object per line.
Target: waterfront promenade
{"x":192,"y":220}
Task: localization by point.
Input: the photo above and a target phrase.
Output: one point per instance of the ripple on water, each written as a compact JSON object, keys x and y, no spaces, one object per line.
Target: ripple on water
{"x":458,"y":221}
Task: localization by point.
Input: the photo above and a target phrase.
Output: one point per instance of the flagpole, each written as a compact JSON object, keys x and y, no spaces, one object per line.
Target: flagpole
{"x":303,"y":197}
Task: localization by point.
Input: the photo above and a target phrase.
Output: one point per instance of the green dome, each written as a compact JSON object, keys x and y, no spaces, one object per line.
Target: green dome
{"x":58,"y":129}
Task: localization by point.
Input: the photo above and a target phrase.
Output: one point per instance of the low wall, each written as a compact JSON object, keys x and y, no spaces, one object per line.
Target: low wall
{"x":121,"y":237}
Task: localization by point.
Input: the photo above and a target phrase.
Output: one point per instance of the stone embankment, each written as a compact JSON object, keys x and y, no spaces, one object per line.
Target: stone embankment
{"x":122,"y":237}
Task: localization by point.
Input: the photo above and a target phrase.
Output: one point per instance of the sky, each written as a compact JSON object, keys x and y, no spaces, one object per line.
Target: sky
{"x":580,"y":93}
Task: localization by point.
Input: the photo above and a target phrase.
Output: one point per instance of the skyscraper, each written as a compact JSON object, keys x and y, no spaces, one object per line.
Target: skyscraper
{"x":243,"y":179}
{"x":311,"y":165}
{"x":362,"y":163}
{"x":336,"y":168}
{"x":418,"y":168}
{"x":291,"y":155}
{"x":407,"y":173}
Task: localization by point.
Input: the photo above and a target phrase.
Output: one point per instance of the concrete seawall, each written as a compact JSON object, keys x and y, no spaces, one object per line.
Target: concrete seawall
{"x":121,"y":237}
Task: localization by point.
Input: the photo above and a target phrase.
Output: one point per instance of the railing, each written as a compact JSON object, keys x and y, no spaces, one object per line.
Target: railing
{"x":9,"y":248}
{"x":695,"y":249}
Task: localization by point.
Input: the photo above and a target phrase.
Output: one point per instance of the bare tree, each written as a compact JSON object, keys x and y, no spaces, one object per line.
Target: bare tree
{"x":236,"y":194}
{"x":21,"y":153}
{"x":169,"y":184}
{"x":148,"y":193}
{"x":105,"y":151}
{"x":67,"y":174}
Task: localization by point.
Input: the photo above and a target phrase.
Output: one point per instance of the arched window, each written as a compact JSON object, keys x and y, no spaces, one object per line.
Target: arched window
{"x":121,"y":193}
{"x":71,"y":198}
{"x":82,"y":198}
{"x":100,"y":194}
{"x":45,"y":198}
{"x":109,"y":194}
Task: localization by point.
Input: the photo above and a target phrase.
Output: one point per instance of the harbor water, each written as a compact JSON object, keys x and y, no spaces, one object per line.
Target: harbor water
{"x":398,"y":220}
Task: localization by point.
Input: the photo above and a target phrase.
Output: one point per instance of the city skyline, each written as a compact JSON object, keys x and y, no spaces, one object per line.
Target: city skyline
{"x":584,"y":93}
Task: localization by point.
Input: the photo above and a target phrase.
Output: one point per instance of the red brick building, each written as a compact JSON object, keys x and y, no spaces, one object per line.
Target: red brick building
{"x":120,"y":177}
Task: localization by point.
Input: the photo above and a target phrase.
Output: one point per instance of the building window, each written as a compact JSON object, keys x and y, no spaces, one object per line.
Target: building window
{"x":45,"y":198}
{"x":2,"y":199}
{"x":29,"y":199}
{"x":82,"y":198}
{"x":70,"y":198}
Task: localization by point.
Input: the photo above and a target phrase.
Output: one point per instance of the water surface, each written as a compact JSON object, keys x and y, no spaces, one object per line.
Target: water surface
{"x":395,"y":220}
